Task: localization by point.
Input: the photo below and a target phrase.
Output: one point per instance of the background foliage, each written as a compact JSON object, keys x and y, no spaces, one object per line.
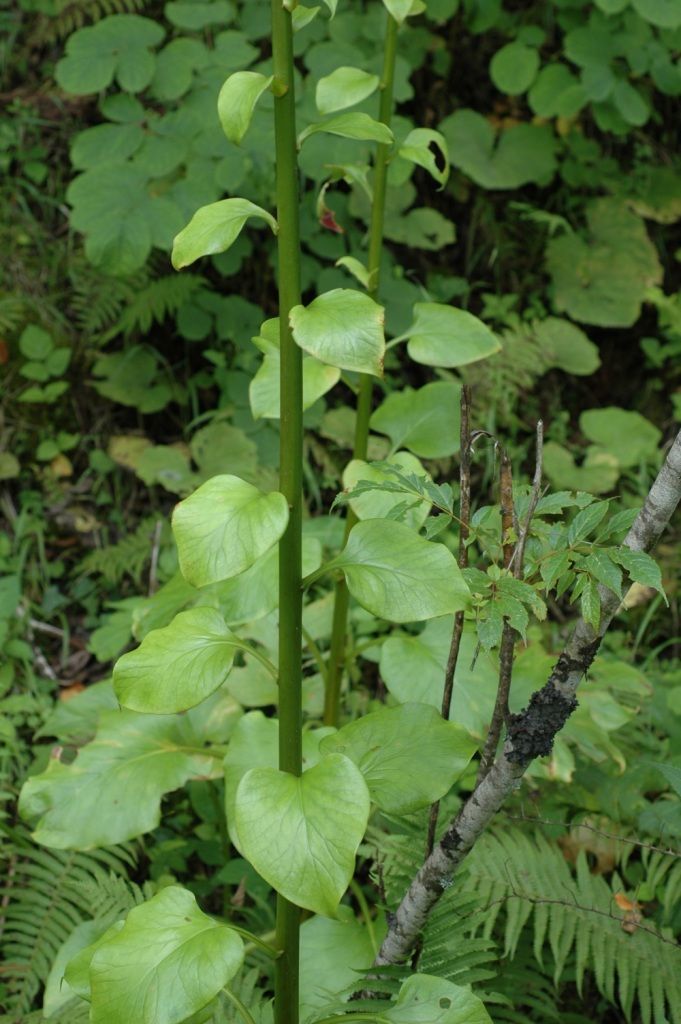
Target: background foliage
{"x":126,"y":385}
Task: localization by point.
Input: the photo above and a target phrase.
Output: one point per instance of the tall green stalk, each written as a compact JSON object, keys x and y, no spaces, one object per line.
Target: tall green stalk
{"x":342,"y":598}
{"x":290,"y":481}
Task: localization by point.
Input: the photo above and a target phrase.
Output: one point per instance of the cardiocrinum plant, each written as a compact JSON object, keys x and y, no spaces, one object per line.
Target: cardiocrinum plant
{"x":297,"y":801}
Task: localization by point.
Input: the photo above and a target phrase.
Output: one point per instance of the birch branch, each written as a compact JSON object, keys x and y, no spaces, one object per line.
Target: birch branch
{"x":530,"y":733}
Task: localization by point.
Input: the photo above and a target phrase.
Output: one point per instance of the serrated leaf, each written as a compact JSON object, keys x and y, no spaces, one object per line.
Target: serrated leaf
{"x":640,"y":567}
{"x":380,"y":502}
{"x":178,"y":666}
{"x":343,"y":328}
{"x":586,"y":521}
{"x":214,"y":228}
{"x":302,"y":834}
{"x":112,"y":791}
{"x":224,"y":527}
{"x":600,"y":565}
{"x":591,"y":604}
{"x":387,"y":746}
{"x":445,"y":336}
{"x":357,"y":126}
{"x":237,"y":100}
{"x":167,"y":962}
{"x":552,"y":567}
{"x":344,"y":87}
{"x":398,"y":575}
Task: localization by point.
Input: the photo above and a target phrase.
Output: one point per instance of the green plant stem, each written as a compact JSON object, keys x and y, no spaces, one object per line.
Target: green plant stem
{"x":290,"y":481}
{"x":365,"y":392}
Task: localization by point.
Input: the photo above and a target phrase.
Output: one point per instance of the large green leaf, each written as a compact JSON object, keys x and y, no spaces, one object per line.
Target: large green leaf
{"x":388,"y":747}
{"x":177,"y":667}
{"x":663,"y":13}
{"x":302,"y":834}
{"x":357,"y":126}
{"x":398,"y":575}
{"x":344,"y":328}
{"x":224,"y":527}
{"x":602,"y":278}
{"x":331,"y":955}
{"x":427,"y":421}
{"x":627,"y":435}
{"x":344,"y":87}
{"x":112,"y":791}
{"x":167,"y":962}
{"x":120,"y":217}
{"x":445,"y":336}
{"x":255,"y":592}
{"x":425,"y":999}
{"x":566,"y":346}
{"x":118,"y":45}
{"x":521,"y":154}
{"x":380,"y":504}
{"x":214,"y":228}
{"x":597,"y":474}
{"x":255,"y":744}
{"x":264,"y":390}
{"x":413,"y":669}
{"x":236,"y":102}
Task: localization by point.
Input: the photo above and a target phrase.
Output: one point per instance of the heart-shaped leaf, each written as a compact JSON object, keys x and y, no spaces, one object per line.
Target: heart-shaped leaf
{"x":388,"y":748}
{"x":255,"y":744}
{"x":344,"y":328}
{"x":112,"y":791}
{"x":398,"y":575}
{"x":236,"y":102}
{"x":177,"y":667}
{"x":167,"y":962}
{"x":214,"y":228}
{"x":445,"y":336}
{"x":224,"y":527}
{"x":302,"y":834}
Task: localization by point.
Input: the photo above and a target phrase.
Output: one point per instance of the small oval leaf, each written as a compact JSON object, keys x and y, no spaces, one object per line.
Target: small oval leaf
{"x":214,"y":228}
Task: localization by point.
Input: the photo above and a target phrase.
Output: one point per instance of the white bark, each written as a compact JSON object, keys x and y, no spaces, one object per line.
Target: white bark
{"x":530,"y":733}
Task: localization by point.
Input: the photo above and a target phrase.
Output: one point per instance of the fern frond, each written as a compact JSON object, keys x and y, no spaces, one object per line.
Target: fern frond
{"x":45,"y":894}
{"x":159,"y":299}
{"x":506,"y":374}
{"x":529,"y":879}
{"x":12,"y":312}
{"x":96,"y":300}
{"x":127,"y":557}
{"x":74,"y":14}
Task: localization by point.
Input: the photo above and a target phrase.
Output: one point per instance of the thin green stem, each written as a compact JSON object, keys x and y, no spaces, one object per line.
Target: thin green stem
{"x":242,"y":1010}
{"x":356,"y":890}
{"x":255,"y":940}
{"x":365,"y":392}
{"x":290,"y":481}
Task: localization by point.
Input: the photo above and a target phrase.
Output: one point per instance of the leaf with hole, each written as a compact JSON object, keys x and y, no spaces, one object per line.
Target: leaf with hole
{"x":428,"y":149}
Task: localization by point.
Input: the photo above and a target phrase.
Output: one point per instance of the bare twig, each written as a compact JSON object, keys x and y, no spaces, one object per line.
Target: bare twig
{"x":457,"y":632}
{"x":530,"y":734}
{"x":518,"y":556}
